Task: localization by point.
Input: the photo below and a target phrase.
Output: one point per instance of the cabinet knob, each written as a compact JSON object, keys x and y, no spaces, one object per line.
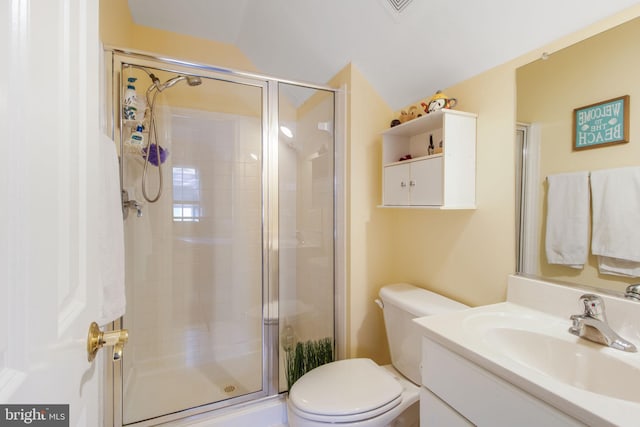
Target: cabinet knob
{"x":412,"y":183}
{"x":403,"y":184}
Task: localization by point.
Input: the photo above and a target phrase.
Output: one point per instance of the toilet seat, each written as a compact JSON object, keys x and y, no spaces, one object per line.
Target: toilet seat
{"x":366,"y":391}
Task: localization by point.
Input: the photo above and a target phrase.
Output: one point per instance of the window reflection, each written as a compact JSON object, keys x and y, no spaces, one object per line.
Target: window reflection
{"x":186,"y":194}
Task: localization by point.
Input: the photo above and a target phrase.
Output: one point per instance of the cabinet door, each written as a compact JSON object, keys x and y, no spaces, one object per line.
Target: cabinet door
{"x":480,"y":396}
{"x":435,"y":412}
{"x":426,"y":182}
{"x":396,"y":185}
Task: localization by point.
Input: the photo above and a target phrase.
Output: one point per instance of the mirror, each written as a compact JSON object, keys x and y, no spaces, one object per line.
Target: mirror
{"x":596,"y":69}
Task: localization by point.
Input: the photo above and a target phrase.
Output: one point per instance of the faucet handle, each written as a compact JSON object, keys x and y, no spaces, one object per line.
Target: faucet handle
{"x":633,"y":292}
{"x":593,"y":306}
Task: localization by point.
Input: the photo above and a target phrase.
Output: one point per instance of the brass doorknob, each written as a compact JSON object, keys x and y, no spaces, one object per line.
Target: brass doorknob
{"x":96,"y":339}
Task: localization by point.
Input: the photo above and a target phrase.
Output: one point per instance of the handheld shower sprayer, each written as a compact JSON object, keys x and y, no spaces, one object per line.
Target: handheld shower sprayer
{"x":153,"y":135}
{"x":159,"y":86}
{"x":152,"y":140}
{"x":191,"y":81}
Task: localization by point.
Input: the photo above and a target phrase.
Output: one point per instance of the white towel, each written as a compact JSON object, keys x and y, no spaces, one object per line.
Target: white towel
{"x":567,"y":234}
{"x":616,"y":220}
{"x":110,"y":233}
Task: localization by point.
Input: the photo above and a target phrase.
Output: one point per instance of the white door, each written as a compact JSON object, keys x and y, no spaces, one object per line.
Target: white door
{"x":49,"y":129}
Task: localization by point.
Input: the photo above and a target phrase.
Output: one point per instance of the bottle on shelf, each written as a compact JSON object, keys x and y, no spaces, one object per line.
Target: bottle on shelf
{"x":137,"y":137}
{"x":130,"y":103}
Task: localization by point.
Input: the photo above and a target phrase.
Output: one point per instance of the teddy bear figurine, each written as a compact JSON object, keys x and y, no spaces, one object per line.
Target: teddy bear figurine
{"x":410,"y":114}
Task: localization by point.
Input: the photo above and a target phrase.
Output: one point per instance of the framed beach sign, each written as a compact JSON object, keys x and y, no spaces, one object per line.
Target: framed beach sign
{"x":601,"y":124}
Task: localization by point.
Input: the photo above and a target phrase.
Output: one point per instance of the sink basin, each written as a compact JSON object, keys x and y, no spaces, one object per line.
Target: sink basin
{"x":580,"y":364}
{"x":542,"y":343}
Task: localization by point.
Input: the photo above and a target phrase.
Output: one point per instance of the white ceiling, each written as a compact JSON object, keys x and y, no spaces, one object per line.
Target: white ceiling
{"x":406,"y":56}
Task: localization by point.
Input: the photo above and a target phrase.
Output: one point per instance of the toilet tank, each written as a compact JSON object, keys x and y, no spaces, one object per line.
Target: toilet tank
{"x":402,"y":303}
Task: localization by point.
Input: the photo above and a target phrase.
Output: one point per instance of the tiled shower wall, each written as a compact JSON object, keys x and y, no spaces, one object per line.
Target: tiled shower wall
{"x":195,"y":282}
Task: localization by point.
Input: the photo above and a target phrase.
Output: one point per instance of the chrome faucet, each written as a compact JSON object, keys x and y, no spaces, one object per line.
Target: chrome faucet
{"x":129,"y":204}
{"x":592,"y":325}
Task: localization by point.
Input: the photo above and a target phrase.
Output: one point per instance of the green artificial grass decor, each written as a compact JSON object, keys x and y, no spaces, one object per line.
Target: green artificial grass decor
{"x":306,"y":356}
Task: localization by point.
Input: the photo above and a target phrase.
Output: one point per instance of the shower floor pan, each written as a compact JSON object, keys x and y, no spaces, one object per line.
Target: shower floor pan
{"x":157,"y":392}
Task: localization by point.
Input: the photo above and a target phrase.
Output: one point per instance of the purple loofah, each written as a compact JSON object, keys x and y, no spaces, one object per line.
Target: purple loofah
{"x":153,"y":157}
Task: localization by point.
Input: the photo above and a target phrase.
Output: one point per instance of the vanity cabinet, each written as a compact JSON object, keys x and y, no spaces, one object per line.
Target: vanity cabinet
{"x":442,"y":170}
{"x":457,"y":392}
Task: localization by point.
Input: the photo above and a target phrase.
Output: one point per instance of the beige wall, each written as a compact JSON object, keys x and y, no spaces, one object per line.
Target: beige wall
{"x":600,"y":68}
{"x":369,"y":228}
{"x":462,"y":254}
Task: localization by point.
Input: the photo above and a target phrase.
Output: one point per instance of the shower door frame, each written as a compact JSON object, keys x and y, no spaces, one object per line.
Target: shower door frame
{"x":113,"y":59}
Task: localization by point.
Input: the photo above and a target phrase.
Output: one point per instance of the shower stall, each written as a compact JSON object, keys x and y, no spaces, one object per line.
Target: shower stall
{"x":229,"y":186}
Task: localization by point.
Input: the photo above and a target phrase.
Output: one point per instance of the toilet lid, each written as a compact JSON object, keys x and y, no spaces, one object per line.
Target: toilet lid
{"x":349,"y":389}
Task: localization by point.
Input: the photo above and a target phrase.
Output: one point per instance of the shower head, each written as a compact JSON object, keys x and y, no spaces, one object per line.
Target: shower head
{"x":194,"y":80}
{"x":191,"y":81}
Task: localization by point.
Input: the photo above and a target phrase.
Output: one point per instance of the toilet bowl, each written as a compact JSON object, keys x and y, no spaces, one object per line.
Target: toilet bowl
{"x":359,"y":392}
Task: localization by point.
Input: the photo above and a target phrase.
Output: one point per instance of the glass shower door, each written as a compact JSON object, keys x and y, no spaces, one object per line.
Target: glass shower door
{"x":194,"y":258}
{"x":306,"y":213}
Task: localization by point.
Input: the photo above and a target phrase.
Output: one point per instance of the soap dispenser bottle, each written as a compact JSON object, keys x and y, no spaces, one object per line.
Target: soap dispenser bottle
{"x":130,"y":103}
{"x":137,"y":137}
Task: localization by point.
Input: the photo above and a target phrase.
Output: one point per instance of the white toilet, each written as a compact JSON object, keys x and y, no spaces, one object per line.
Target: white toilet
{"x":359,"y":392}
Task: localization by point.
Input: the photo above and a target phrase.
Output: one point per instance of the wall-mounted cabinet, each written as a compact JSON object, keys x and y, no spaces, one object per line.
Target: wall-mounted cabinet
{"x":441,"y":171}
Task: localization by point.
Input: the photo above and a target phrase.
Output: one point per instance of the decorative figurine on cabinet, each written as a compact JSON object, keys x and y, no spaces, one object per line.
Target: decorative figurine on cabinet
{"x":438,"y":101}
{"x":410,"y":115}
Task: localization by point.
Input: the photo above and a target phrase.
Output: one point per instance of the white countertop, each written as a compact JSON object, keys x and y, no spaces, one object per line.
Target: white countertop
{"x":475,"y":334}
